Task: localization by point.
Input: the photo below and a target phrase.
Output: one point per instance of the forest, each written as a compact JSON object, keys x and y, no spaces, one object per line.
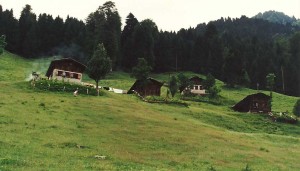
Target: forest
{"x":239,"y":51}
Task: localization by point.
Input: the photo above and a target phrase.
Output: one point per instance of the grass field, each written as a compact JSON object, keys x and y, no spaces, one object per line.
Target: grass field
{"x":56,"y":131}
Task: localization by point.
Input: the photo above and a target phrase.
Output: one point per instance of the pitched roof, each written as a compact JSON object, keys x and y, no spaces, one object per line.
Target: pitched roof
{"x":196,"y":79}
{"x":138,"y":82}
{"x":52,"y":64}
{"x":243,"y":105}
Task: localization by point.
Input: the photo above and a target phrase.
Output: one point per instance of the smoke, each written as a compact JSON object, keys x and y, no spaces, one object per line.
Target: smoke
{"x":73,"y":51}
{"x":29,"y":77}
{"x":40,"y":67}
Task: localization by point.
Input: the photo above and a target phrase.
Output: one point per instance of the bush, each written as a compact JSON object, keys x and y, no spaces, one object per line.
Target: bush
{"x":214,"y":91}
{"x":296,"y":109}
{"x":57,"y":86}
{"x":210,"y":81}
{"x":284,"y":117}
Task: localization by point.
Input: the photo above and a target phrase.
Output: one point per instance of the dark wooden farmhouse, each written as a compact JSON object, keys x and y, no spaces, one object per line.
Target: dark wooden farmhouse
{"x":254,"y":103}
{"x":196,"y":86}
{"x":67,"y":69}
{"x":150,"y":87}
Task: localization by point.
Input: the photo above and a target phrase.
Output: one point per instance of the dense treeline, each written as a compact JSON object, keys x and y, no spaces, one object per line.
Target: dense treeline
{"x":239,"y":51}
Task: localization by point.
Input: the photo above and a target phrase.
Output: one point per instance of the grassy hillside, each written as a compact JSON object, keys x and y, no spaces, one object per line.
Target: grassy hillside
{"x":56,"y":131}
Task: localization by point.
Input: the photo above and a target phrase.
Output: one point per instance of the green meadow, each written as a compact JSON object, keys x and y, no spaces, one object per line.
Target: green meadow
{"x":43,"y":130}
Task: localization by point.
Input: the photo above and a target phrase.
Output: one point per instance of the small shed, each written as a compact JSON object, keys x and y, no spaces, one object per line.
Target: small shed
{"x":254,"y":103}
{"x":196,"y":86}
{"x":150,"y":87}
{"x":66,"y":69}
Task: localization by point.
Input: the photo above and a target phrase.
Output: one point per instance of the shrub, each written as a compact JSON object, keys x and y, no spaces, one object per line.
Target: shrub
{"x":214,"y":91}
{"x":57,"y":86}
{"x":296,"y":109}
{"x":210,"y":81}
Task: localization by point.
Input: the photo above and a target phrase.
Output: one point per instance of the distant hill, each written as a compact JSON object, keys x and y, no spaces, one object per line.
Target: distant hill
{"x":277,"y":17}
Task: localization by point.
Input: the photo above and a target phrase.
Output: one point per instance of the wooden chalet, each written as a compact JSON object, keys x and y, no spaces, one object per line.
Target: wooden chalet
{"x":254,"y":103}
{"x":196,"y":86}
{"x":66,"y":69}
{"x":150,"y":87}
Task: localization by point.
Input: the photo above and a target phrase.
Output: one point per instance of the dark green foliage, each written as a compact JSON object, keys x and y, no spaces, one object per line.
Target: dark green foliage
{"x":276,"y":17}
{"x":173,"y":86}
{"x":296,"y":109}
{"x":214,"y":92}
{"x":230,"y":49}
{"x":210,"y":81}
{"x":232,"y":67}
{"x":63,"y":87}
{"x":104,"y":26}
{"x":99,"y":65}
{"x":245,"y":80}
{"x":142,"y":70}
{"x":127,"y":43}
{"x":183,"y":81}
{"x":145,"y":35}
{"x":2,"y":44}
{"x":270,"y":82}
{"x":28,"y":28}
{"x":9,"y":27}
{"x":284,"y":117}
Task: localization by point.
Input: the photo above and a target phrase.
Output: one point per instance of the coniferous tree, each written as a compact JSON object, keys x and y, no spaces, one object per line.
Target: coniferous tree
{"x":104,"y":26}
{"x":28,"y":29}
{"x":270,"y":82}
{"x":232,"y":67}
{"x":2,"y":44}
{"x":145,"y":35}
{"x":173,"y":86}
{"x":210,"y":81}
{"x":9,"y":28}
{"x":45,"y":33}
{"x":245,"y":80}
{"x":142,"y":70}
{"x":296,"y":109}
{"x":127,"y":42}
{"x":183,"y":82}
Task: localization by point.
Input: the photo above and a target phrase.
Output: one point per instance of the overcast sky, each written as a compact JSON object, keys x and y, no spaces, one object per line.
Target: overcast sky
{"x":167,"y":14}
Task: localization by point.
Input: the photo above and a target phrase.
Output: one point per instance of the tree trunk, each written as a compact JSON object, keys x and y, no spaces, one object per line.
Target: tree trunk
{"x":97,"y":87}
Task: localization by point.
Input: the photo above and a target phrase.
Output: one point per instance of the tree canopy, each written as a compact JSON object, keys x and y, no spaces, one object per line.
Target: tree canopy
{"x":2,"y":44}
{"x":234,"y":50}
{"x":99,"y":65}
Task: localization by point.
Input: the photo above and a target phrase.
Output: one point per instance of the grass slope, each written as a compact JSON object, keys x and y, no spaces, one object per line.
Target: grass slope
{"x":56,"y":131}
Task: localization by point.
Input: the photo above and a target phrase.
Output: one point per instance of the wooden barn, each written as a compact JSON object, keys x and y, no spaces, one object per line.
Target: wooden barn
{"x":151,"y":87}
{"x":196,"y":86}
{"x":254,"y":103}
{"x":66,"y":69}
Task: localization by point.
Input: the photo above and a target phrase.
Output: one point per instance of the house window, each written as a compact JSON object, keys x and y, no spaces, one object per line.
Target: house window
{"x":76,"y":76}
{"x":67,"y":74}
{"x":59,"y":73}
{"x":201,"y":88}
{"x":196,"y":87}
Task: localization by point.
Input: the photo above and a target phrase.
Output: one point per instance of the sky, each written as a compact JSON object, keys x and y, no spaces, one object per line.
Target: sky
{"x":169,"y":15}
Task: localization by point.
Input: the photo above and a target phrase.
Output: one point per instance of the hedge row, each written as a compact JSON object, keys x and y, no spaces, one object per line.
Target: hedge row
{"x":284,"y":117}
{"x":58,"y":86}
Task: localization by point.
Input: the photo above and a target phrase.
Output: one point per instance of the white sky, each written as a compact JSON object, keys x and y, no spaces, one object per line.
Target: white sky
{"x":167,"y":14}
